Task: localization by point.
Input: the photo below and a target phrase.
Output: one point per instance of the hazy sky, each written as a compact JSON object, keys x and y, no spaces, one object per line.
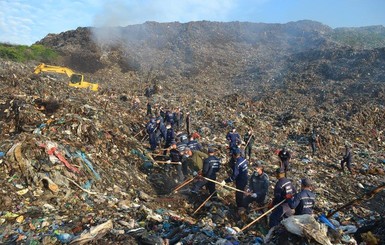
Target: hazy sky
{"x":28,"y":21}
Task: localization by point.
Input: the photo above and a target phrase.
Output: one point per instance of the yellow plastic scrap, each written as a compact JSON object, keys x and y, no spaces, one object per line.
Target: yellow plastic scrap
{"x":20,"y":219}
{"x":369,"y":238}
{"x":10,"y":215}
{"x":22,"y":192}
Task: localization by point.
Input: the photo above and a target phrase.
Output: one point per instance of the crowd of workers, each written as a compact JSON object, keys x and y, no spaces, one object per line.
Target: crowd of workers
{"x":183,"y":148}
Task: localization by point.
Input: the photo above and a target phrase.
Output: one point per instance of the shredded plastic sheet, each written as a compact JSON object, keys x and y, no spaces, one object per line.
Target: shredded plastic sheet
{"x":306,"y":226}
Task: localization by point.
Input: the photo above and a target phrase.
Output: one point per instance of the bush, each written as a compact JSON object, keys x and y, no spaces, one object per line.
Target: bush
{"x":22,"y":53}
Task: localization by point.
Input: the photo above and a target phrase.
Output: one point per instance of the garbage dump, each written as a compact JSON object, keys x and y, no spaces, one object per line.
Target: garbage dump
{"x":77,"y":166}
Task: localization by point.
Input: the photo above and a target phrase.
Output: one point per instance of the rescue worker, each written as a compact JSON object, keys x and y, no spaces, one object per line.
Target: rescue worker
{"x":194,"y":144}
{"x":149,"y":108}
{"x":347,"y":158}
{"x":314,"y":142}
{"x":249,"y":138}
{"x":197,"y":158}
{"x":285,"y":156}
{"x":148,"y":92}
{"x":258,"y":186}
{"x":234,"y":140}
{"x":162,"y":113}
{"x":181,"y":118}
{"x":283,"y":190}
{"x":151,"y":130}
{"x":170,"y":117}
{"x":176,"y":156}
{"x":177,"y":118}
{"x":182,"y":141}
{"x":304,"y":201}
{"x":196,"y":136}
{"x":161,"y":131}
{"x":160,"y":118}
{"x":239,"y":175}
{"x":170,"y":136}
{"x":188,"y":123}
{"x":193,"y":160}
{"x":211,"y":166}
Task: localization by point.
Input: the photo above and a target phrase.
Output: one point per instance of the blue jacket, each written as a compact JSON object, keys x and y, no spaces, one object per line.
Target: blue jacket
{"x":239,"y":170}
{"x":182,"y":137}
{"x":181,"y":146}
{"x":170,"y":117}
{"x":281,"y":189}
{"x":233,"y":138}
{"x":175,"y":155}
{"x":259,"y":184}
{"x":211,"y":166}
{"x":151,"y":127}
{"x":303,"y":202}
{"x":162,"y":130}
{"x":194,"y":145}
{"x":170,"y":135}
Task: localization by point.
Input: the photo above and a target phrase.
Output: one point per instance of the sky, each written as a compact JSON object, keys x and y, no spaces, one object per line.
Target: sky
{"x":28,"y":21}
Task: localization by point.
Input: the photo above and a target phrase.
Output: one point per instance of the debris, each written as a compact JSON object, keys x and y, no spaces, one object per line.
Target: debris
{"x":306,"y":226}
{"x":78,"y":158}
{"x":94,"y":234}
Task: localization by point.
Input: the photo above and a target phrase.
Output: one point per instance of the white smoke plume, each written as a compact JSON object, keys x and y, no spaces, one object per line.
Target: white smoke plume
{"x":122,"y":13}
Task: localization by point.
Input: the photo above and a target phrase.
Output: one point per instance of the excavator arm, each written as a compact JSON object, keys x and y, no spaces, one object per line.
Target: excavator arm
{"x":56,"y":69}
{"x":76,"y":80}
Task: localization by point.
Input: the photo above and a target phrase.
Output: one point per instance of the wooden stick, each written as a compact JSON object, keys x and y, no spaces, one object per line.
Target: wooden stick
{"x":164,"y":149}
{"x":235,"y":189}
{"x":263,"y":215}
{"x":249,"y":140}
{"x":183,"y":184}
{"x":159,"y":155}
{"x":259,"y":208}
{"x":167,"y":162}
{"x":145,"y":137}
{"x":138,"y":133}
{"x":73,"y":182}
{"x":207,"y":199}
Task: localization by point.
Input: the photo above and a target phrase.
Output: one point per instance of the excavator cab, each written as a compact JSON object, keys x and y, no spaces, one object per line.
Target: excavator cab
{"x":76,"y":78}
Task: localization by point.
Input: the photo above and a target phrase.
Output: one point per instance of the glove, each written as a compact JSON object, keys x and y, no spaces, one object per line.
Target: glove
{"x":270,"y":205}
{"x":254,"y":195}
{"x":223,"y":183}
{"x":168,"y":161}
{"x":200,"y":172}
{"x":288,"y":196}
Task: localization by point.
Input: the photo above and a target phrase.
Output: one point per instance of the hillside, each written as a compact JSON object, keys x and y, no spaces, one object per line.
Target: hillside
{"x":283,"y":80}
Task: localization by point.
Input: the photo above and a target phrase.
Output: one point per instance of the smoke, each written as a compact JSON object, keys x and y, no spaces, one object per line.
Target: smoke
{"x":120,"y":13}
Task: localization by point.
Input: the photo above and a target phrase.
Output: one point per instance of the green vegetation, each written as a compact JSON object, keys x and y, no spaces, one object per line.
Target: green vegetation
{"x":22,"y":53}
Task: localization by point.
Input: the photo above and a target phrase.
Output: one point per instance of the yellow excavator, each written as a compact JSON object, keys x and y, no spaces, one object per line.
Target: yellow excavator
{"x":76,"y":80}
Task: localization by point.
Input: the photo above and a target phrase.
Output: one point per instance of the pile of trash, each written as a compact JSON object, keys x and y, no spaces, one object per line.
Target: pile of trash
{"x":75,"y":166}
